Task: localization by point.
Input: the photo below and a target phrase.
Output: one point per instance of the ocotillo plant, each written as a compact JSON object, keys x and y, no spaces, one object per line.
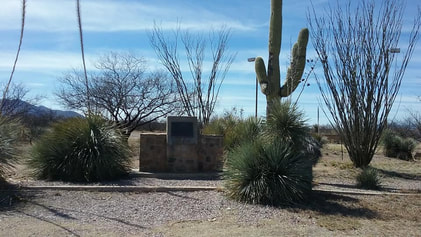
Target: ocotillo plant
{"x":6,"y":90}
{"x":270,"y":81}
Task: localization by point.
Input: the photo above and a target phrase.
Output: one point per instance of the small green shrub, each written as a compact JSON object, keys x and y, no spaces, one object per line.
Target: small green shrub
{"x":9,"y":137}
{"x":369,"y":179}
{"x":82,"y":150}
{"x":244,"y":131}
{"x":322,"y":140}
{"x":398,"y":147}
{"x":234,"y":129}
{"x":408,"y":146}
{"x":267,"y":173}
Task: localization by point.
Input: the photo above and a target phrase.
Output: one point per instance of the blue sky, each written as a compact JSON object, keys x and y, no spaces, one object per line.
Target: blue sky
{"x":51,"y":44}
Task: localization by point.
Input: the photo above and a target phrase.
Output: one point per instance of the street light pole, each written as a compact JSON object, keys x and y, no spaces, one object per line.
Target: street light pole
{"x":255,"y":112}
{"x":392,"y":51}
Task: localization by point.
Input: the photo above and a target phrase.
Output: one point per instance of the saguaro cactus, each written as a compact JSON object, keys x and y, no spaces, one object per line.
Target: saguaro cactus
{"x":270,"y":81}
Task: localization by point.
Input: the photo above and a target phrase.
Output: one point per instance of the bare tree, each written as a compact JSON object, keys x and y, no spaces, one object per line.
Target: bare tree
{"x":121,"y":90}
{"x":355,"y":47}
{"x":200,"y":94}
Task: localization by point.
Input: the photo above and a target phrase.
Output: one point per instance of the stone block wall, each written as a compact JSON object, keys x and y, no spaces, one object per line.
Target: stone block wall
{"x":153,"y":152}
{"x":157,"y":156}
{"x":182,"y":158}
{"x":210,"y":153}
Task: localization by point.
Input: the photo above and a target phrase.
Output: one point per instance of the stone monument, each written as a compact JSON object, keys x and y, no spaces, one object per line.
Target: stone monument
{"x":181,"y":149}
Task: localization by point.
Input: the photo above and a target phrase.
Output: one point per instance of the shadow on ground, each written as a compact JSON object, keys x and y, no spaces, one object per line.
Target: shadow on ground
{"x":335,"y":204}
{"x":180,"y":176}
{"x":338,"y":185}
{"x":67,"y":214}
{"x":401,"y":175}
{"x":10,"y":196}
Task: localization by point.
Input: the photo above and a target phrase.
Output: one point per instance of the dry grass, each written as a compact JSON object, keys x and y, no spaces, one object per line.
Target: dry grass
{"x":329,"y":214}
{"x":324,"y":214}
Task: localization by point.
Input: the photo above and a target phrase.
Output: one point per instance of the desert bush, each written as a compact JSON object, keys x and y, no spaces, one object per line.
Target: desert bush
{"x":274,"y":168}
{"x":286,"y":124}
{"x":408,"y":146}
{"x":398,"y":147}
{"x":267,"y":173}
{"x":234,"y":129}
{"x":244,"y":130}
{"x":81,"y":149}
{"x":322,"y":140}
{"x":369,"y":178}
{"x":9,"y":137}
{"x":405,"y":128}
{"x":223,"y":126}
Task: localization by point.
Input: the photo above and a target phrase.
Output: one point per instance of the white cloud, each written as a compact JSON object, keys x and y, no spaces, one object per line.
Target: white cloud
{"x":109,"y":16}
{"x":35,"y":84}
{"x":42,"y":61}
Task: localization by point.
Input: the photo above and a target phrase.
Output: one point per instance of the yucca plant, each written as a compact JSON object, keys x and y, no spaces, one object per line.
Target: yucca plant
{"x":286,"y":124}
{"x":274,"y":167}
{"x":82,"y":150}
{"x":267,"y":173}
{"x":9,"y":135}
{"x":369,"y":178}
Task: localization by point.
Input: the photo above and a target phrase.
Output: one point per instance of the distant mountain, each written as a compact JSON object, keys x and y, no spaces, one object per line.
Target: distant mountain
{"x":19,"y":106}
{"x":58,"y":113}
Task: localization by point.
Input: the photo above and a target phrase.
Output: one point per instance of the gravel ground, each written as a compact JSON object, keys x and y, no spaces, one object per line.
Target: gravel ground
{"x":122,"y":213}
{"x":136,"y":181}
{"x":83,"y":213}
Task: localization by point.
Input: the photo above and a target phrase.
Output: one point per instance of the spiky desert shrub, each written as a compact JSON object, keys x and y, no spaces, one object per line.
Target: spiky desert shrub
{"x":81,"y":149}
{"x":369,"y":178}
{"x":267,"y":173}
{"x":398,"y":147}
{"x":274,"y":168}
{"x":9,"y":136}
{"x":286,"y":124}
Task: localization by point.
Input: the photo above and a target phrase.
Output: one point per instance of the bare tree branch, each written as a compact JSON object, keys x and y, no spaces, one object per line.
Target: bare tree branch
{"x":354,"y":48}
{"x":198,"y":95}
{"x":121,"y":90}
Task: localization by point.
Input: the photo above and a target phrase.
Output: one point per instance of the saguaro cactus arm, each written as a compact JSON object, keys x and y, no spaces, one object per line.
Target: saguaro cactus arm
{"x":260,"y":69}
{"x":298,"y":62}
